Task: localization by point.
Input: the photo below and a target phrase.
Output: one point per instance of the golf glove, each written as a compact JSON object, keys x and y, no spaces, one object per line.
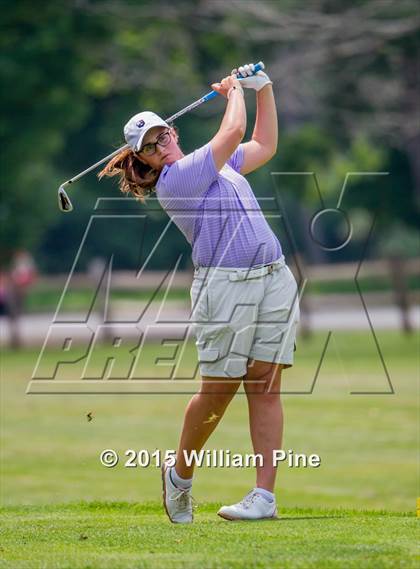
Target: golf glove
{"x":250,"y":81}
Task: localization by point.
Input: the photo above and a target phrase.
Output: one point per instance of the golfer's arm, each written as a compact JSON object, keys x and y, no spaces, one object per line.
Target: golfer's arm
{"x":231,"y":131}
{"x":263,"y":144}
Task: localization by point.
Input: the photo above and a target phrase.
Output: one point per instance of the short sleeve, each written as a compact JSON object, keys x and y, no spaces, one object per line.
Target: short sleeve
{"x":237,"y":158}
{"x":190,"y":176}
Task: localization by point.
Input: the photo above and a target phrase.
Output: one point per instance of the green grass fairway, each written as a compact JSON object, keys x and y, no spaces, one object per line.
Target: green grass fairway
{"x":62,"y":508}
{"x":108,"y":535}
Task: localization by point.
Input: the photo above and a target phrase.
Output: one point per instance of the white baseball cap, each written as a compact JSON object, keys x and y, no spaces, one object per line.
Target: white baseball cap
{"x":137,"y":127}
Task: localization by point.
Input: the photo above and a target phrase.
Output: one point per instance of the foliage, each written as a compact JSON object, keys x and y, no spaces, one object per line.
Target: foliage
{"x":344,"y":76}
{"x":45,"y":57}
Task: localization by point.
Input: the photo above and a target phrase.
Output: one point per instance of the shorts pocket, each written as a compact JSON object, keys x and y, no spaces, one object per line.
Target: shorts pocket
{"x":209,"y":355}
{"x":294,"y":295}
{"x":200,"y":301}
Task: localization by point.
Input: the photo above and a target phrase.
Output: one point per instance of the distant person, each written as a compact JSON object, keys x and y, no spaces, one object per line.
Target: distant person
{"x":4,"y":294}
{"x":23,"y":274}
{"x":244,"y":297}
{"x":14,"y":286}
{"x":8,"y":308}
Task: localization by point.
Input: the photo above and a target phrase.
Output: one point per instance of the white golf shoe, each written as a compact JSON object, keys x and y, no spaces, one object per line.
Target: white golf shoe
{"x":177,"y":501}
{"x":253,"y":507}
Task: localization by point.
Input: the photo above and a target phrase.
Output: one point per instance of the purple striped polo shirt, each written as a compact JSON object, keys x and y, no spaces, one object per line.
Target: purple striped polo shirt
{"x":217,"y":211}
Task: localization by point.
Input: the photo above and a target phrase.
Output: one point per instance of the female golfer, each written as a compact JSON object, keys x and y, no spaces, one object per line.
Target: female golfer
{"x":244,"y":297}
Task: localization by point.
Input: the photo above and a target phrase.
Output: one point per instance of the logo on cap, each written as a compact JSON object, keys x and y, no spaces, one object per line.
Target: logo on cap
{"x":140,"y":123}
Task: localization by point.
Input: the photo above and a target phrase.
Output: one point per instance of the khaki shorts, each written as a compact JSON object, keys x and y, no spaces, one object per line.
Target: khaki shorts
{"x":242,"y":314}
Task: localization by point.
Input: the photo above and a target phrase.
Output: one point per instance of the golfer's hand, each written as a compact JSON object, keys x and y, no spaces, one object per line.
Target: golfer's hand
{"x":250,"y":81}
{"x":223,"y":87}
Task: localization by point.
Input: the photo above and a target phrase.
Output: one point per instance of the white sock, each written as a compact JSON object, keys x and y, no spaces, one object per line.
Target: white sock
{"x":269,"y":496}
{"x":184,"y":483}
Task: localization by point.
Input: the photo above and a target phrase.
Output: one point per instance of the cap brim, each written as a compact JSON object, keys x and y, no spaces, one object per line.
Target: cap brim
{"x":140,"y":140}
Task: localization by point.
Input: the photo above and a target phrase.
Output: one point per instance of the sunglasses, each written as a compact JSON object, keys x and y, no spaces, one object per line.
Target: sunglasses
{"x":163,"y":139}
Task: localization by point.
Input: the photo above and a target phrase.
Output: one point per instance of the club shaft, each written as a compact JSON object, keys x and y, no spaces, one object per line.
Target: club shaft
{"x":200,"y":101}
{"x":106,"y":158}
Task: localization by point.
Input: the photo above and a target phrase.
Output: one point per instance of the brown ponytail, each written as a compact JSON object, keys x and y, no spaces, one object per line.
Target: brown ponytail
{"x":136,"y":178}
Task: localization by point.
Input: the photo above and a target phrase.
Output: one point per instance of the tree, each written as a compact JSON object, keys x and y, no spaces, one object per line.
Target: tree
{"x":46,"y":55}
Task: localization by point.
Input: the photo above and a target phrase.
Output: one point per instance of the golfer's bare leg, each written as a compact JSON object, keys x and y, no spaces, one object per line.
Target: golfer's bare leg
{"x":202,"y":416}
{"x":262,"y":387}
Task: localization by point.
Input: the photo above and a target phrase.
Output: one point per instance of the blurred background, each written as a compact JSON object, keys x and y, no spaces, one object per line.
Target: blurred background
{"x":346,"y":80}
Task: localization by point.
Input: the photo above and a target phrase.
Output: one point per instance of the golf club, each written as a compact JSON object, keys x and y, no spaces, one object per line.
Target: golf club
{"x":64,"y":202}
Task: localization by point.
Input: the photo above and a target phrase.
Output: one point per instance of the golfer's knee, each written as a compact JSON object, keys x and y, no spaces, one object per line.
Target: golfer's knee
{"x":263,"y":379}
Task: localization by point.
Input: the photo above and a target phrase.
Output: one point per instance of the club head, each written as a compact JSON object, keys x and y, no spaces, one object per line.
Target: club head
{"x":64,"y":202}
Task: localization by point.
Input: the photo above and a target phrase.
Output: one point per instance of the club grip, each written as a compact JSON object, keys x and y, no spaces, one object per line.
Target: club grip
{"x":257,"y":67}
